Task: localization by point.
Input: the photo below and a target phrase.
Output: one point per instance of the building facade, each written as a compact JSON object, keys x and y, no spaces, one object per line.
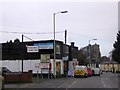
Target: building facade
{"x":109,"y":66}
{"x":38,"y":56}
{"x":92,"y":53}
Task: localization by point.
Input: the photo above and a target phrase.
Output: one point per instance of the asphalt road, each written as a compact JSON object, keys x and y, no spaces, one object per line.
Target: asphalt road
{"x":106,"y":80}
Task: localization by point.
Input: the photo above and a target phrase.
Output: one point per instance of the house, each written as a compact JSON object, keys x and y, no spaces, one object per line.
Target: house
{"x":108,"y":66}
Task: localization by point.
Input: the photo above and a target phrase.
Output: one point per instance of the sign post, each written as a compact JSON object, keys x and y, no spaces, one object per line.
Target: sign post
{"x":45,"y":61}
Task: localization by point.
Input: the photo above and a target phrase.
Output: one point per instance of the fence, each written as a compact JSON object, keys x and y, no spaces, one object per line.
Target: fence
{"x":17,"y":77}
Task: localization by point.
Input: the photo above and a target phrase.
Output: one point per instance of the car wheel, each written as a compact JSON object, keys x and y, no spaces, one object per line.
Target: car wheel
{"x":86,"y":76}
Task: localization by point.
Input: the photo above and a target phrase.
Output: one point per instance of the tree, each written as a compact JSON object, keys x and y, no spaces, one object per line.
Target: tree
{"x":16,"y":40}
{"x":10,"y":41}
{"x":81,"y":58}
{"x":116,"y":51}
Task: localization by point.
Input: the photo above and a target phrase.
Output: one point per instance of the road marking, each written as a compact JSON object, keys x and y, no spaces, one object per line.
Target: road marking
{"x":64,"y":83}
{"x":104,"y":84}
{"x":67,"y":82}
{"x":73,"y":83}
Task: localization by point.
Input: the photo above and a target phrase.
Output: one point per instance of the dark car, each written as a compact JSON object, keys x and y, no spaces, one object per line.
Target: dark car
{"x":5,"y":70}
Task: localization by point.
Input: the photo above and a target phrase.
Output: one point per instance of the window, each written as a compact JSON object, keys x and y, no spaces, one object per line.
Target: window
{"x":57,"y":49}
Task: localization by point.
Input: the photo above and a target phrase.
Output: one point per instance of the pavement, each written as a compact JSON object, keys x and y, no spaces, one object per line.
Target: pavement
{"x":0,"y":82}
{"x":106,"y":80}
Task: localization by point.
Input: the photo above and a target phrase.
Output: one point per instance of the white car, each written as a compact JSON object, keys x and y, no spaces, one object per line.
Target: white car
{"x":96,"y":71}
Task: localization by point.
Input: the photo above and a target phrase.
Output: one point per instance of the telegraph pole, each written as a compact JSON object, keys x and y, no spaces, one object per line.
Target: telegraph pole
{"x":22,"y":50}
{"x":89,"y":54}
{"x":22,"y":53}
{"x":65,"y":36}
{"x":65,"y":53}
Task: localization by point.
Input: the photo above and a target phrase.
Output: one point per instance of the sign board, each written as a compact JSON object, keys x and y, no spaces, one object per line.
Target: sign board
{"x":45,"y":58}
{"x":44,"y":45}
{"x":37,"y":65}
{"x":32,"y":49}
{"x":65,"y":58}
{"x":74,"y":59}
{"x":44,"y":65}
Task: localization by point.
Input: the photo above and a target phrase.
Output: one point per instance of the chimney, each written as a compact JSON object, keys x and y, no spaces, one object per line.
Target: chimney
{"x":72,"y":44}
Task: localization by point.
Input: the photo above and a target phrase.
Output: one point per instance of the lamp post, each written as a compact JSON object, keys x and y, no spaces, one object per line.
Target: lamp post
{"x":54,"y":64}
{"x":90,"y":52}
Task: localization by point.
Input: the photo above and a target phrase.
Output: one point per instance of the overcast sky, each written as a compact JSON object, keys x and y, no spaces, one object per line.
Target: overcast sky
{"x":84,"y":21}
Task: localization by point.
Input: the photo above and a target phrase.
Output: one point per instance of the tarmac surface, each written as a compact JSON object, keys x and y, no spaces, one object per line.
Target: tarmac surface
{"x":106,"y":80}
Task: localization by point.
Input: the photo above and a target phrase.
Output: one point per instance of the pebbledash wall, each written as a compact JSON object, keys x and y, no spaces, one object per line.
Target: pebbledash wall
{"x":34,"y":52}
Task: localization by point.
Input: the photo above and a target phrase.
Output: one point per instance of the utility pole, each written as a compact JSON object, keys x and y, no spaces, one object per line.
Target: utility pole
{"x":22,"y":53}
{"x":65,"y":36}
{"x":65,"y":53}
{"x":22,"y":50}
{"x":89,"y":53}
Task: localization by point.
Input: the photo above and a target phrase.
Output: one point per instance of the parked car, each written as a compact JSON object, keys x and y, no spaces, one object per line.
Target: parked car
{"x":5,"y":70}
{"x":80,"y":71}
{"x":89,"y":70}
{"x":96,"y":71}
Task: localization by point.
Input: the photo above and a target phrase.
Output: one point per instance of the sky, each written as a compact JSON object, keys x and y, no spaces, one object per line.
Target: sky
{"x":86,"y":20}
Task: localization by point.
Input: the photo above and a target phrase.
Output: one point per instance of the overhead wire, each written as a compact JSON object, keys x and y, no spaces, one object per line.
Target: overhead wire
{"x":31,"y":32}
{"x":80,"y":35}
{"x":76,"y":34}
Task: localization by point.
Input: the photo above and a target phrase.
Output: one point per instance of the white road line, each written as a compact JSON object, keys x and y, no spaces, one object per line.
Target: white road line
{"x":73,"y":83}
{"x":66,"y":83}
{"x":63,"y":84}
{"x":104,"y":84}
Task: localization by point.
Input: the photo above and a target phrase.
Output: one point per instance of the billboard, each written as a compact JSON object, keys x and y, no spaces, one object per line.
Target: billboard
{"x":45,"y":58}
{"x":44,"y":45}
{"x":32,"y":49}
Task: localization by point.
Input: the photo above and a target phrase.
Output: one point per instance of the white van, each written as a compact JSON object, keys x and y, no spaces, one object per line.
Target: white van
{"x":96,"y":71}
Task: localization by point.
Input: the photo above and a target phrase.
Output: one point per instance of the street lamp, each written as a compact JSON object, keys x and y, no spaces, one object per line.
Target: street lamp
{"x":90,"y":52}
{"x":54,"y":64}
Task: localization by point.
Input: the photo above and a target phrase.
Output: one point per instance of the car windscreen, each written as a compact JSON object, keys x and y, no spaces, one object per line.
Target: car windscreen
{"x":79,"y":68}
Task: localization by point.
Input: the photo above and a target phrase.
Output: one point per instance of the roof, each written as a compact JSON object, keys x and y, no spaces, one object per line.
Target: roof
{"x":109,"y":62}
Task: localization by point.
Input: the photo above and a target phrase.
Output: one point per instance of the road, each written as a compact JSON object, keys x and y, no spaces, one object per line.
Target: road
{"x":106,"y":80}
